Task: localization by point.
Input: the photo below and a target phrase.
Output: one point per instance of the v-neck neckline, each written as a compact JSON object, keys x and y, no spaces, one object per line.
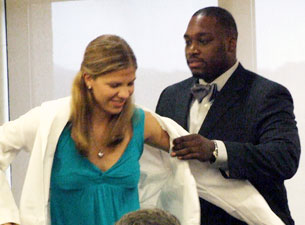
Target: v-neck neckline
{"x":116,"y":163}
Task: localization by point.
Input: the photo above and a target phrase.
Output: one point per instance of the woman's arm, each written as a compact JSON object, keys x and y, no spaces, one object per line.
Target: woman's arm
{"x":154,"y":135}
{"x":15,"y":136}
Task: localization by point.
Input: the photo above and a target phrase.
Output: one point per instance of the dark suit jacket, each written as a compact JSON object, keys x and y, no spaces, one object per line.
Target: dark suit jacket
{"x":254,"y":118}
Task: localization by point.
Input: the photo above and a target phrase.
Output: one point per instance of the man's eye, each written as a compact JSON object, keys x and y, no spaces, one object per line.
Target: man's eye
{"x":188,"y":42}
{"x":204,"y":41}
{"x":131,"y":83}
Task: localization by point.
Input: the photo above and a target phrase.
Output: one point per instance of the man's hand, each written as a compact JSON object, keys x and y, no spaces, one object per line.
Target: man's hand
{"x":193,"y":146}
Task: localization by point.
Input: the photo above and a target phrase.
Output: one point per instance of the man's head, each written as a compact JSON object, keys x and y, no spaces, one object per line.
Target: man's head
{"x":211,"y":39}
{"x":148,"y":217}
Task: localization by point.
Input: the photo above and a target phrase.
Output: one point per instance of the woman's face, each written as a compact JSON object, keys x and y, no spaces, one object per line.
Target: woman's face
{"x":112,"y":90}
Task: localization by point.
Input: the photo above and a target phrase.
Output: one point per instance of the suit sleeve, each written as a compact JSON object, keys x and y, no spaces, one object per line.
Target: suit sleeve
{"x":276,"y":151}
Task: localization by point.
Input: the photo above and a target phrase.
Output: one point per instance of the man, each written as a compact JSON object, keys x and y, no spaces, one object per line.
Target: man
{"x":246,"y":125}
{"x":148,"y":217}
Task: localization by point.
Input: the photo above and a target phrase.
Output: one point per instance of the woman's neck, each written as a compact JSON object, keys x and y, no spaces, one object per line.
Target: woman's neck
{"x":100,"y":116}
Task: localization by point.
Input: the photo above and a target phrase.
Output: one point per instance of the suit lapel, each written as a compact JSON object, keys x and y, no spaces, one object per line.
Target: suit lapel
{"x":184,"y":98}
{"x":226,"y":99}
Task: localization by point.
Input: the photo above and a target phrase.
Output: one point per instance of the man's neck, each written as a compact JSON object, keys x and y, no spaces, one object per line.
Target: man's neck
{"x":223,"y":78}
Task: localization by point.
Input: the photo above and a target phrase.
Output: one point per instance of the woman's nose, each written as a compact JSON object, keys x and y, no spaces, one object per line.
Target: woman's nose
{"x":125,"y":92}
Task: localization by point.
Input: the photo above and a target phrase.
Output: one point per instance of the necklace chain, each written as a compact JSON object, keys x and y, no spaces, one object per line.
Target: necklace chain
{"x":96,"y":140}
{"x":100,"y":152}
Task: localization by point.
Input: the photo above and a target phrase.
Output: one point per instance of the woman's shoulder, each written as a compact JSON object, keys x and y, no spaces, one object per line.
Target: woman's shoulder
{"x":56,"y":108}
{"x":57,"y":102}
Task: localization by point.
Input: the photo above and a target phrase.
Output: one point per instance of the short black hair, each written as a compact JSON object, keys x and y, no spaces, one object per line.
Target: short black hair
{"x":224,"y":19}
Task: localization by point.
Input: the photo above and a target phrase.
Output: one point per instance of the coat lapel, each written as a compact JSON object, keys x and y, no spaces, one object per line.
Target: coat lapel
{"x":226,"y":99}
{"x":55,"y":125}
{"x":183,"y":100}
{"x":35,"y":192}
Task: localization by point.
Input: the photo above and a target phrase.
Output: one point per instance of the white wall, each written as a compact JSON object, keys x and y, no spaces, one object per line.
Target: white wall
{"x":154,"y":29}
{"x":29,"y":38}
{"x":281,"y":57}
{"x":3,"y":72}
{"x":3,"y":67}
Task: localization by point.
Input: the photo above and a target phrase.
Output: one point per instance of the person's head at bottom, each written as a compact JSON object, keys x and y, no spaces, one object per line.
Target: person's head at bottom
{"x":148,"y":217}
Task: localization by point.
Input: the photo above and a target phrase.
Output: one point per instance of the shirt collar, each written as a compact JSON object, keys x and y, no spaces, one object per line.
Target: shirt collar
{"x":223,"y":78}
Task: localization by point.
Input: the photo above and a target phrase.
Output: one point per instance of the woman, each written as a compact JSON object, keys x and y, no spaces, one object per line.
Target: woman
{"x":90,"y":151}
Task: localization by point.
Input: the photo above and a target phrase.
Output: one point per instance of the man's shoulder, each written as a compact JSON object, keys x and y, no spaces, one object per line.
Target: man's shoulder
{"x":171,"y":95}
{"x":258,"y":81}
{"x":179,"y":85}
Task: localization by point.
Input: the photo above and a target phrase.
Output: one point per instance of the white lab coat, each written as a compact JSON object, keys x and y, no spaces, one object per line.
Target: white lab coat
{"x":165,"y":182}
{"x":38,"y":131}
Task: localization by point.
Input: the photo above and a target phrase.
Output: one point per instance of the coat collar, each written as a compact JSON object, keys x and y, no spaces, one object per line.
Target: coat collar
{"x":226,"y":99}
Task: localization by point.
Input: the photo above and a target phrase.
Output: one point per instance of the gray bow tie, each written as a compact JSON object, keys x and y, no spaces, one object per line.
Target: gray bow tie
{"x":200,"y":91}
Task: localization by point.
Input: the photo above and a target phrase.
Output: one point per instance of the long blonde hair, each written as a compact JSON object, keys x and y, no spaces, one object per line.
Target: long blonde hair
{"x":105,"y":54}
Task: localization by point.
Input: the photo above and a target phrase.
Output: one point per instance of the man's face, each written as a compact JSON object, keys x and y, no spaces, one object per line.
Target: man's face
{"x":206,"y":48}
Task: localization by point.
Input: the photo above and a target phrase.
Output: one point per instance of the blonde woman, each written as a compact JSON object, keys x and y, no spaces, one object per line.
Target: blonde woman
{"x":84,"y":166}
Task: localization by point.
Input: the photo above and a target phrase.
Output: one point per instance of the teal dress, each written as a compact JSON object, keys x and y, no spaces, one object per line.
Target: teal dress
{"x":82,"y":194}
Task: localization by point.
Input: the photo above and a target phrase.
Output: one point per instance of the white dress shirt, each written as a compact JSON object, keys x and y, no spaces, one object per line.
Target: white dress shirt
{"x":198,"y":112}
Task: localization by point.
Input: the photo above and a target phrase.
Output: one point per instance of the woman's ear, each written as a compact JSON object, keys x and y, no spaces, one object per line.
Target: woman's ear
{"x":88,"y":80}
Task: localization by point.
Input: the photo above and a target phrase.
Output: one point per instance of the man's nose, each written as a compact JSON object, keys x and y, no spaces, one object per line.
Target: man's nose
{"x":193,"y":49}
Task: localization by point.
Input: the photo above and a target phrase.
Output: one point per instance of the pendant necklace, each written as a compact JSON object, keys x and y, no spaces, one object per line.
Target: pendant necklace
{"x":100,"y":154}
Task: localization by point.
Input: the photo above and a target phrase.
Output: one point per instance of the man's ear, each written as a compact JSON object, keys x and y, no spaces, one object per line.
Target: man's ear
{"x":232,"y":44}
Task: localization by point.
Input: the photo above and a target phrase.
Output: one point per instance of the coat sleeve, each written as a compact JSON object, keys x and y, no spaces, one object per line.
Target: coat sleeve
{"x":275,"y":151}
{"x":14,"y":136}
